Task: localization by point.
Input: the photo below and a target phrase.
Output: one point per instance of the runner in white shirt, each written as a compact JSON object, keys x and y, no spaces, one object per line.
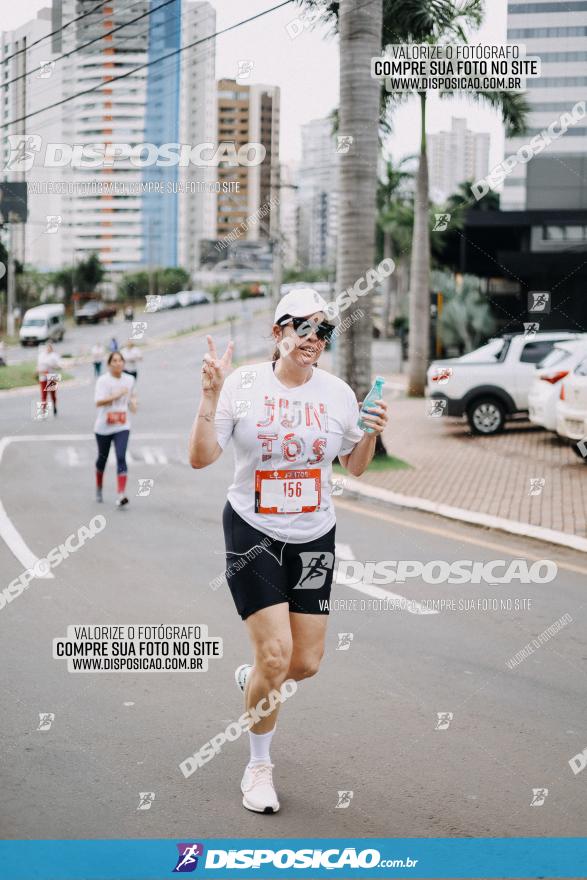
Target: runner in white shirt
{"x":132,"y":355}
{"x":288,"y":421}
{"x":48,"y":364}
{"x":98,"y":352}
{"x":115,"y":401}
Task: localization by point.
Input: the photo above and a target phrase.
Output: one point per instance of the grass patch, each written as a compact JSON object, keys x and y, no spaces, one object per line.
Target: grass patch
{"x":21,"y":375}
{"x":380,"y":463}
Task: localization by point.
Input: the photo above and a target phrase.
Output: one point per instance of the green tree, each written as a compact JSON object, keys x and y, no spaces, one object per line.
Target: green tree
{"x":395,"y":220}
{"x":436,"y":21}
{"x":466,"y":319}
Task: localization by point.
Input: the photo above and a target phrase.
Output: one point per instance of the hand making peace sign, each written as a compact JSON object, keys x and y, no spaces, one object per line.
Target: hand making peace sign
{"x":215,"y":369}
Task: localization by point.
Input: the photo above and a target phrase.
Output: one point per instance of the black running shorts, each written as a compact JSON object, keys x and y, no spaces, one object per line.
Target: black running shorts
{"x":262,"y":571}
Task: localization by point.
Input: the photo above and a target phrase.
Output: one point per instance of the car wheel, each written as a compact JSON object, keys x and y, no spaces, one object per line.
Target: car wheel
{"x":486,"y":416}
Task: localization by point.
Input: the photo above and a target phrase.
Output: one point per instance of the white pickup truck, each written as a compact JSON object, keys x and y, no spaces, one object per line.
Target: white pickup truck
{"x":492,"y":382}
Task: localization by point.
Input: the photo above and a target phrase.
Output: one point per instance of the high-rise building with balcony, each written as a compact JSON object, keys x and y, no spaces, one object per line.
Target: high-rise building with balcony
{"x":317,"y":176}
{"x":248,"y":114}
{"x":555,"y":30}
{"x":143,"y":89}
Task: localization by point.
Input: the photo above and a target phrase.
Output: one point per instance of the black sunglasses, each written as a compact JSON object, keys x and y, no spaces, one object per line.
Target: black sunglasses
{"x":305,"y":327}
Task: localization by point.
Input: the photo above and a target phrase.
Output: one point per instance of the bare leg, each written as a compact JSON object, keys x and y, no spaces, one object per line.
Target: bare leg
{"x":270,"y":634}
{"x":308,"y":634}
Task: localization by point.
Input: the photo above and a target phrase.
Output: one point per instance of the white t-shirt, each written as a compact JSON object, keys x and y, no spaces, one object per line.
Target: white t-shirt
{"x":97,"y":353}
{"x":47,"y":362}
{"x":131,"y":356}
{"x":275,"y":428}
{"x":114,"y":417}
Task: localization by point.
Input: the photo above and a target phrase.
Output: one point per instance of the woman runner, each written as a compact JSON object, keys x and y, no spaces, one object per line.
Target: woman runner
{"x":114,"y":398}
{"x":288,"y":421}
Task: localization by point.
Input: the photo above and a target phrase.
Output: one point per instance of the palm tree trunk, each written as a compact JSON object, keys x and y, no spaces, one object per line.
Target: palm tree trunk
{"x":388,"y":288}
{"x":360,"y":27}
{"x":419,"y":340}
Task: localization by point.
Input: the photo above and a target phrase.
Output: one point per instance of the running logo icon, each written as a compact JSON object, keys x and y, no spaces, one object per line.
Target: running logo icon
{"x":315,"y":568}
{"x":146,"y":798}
{"x":539,"y":795}
{"x":344,"y":641}
{"x":444,"y":719}
{"x":46,"y":719}
{"x":344,"y":800}
{"x":187,"y":859}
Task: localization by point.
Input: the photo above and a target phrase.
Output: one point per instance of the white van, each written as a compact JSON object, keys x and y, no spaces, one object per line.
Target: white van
{"x":43,"y":324}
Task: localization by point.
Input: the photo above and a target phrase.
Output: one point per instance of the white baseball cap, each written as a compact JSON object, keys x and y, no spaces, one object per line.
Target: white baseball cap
{"x":300,"y":303}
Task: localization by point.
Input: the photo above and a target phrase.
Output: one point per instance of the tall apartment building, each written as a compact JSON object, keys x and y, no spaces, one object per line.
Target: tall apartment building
{"x":21,"y":141}
{"x":556,"y":30}
{"x":317,"y":219}
{"x":248,"y":114}
{"x":456,"y":156}
{"x":132,"y":213}
{"x":288,"y":211}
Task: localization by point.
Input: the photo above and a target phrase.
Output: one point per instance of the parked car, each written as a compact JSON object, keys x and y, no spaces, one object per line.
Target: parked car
{"x":43,"y":324}
{"x":544,"y":392}
{"x":170,"y":301}
{"x":229,"y":295}
{"x":93,"y":311}
{"x":571,"y":411}
{"x":492,"y":383}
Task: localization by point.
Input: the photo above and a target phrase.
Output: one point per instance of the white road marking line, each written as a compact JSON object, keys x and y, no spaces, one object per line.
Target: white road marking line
{"x":15,"y":543}
{"x":345,"y":552}
{"x":8,"y":532}
{"x":153,"y":455}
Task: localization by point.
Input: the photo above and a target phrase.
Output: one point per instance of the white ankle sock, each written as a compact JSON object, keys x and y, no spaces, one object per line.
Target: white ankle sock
{"x":260,"y":745}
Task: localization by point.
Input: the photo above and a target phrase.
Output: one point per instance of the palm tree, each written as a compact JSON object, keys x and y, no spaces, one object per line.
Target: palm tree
{"x":436,"y":21}
{"x":395,"y":220}
{"x":360,"y":40}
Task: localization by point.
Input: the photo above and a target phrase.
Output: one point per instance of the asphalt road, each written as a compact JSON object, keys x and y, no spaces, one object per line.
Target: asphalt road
{"x":366,"y":724}
{"x":79,"y":340}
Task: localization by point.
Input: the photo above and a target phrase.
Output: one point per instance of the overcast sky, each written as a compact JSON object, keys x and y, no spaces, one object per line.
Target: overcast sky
{"x":306,"y":70}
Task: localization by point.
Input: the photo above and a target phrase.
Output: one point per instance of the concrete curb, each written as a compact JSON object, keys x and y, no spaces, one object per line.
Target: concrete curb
{"x":374,"y":493}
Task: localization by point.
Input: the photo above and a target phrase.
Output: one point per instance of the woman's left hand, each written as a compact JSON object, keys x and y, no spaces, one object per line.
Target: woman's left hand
{"x":376,"y":417}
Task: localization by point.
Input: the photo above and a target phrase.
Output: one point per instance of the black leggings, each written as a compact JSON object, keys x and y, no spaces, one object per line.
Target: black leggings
{"x":120,"y":439}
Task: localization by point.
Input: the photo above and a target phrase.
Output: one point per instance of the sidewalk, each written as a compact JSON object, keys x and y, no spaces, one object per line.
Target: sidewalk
{"x":487,"y":476}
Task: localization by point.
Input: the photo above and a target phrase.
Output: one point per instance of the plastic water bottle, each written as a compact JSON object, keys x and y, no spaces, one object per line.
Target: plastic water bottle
{"x":376,"y":393}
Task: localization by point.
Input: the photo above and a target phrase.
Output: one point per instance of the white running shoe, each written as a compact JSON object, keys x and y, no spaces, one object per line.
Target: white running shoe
{"x":241,"y":674}
{"x":259,"y":794}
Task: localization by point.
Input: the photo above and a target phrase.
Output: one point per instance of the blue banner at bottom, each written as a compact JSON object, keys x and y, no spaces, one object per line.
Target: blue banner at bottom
{"x":293,"y":857}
